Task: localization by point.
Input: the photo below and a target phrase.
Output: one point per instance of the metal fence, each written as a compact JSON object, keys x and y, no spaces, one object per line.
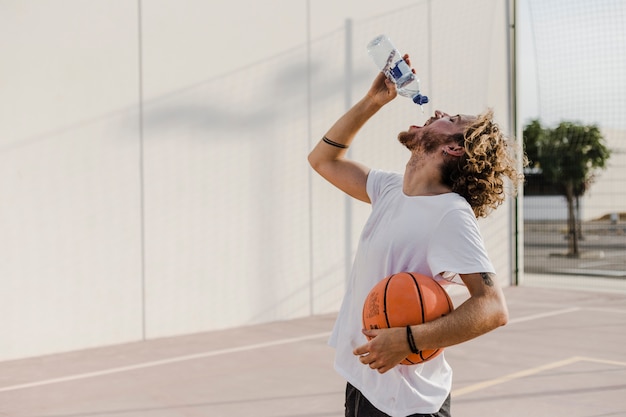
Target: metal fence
{"x":580,"y":61}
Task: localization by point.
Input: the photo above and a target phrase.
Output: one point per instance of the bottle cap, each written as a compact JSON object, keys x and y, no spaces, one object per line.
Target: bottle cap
{"x":420,"y":99}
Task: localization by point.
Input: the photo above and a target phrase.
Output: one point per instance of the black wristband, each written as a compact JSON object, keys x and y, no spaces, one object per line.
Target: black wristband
{"x":333,"y":143}
{"x":409,"y":338}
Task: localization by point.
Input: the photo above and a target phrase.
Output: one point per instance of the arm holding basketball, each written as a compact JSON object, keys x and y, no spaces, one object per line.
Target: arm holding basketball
{"x":330,"y":161}
{"x":387,"y":348}
{"x":482,"y":312}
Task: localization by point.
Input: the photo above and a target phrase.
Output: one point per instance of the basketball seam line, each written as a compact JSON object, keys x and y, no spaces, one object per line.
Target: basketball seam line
{"x":385,"y":300}
{"x":419,"y":293}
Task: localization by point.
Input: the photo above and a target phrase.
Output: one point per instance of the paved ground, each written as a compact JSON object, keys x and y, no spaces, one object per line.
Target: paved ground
{"x":562,"y":354}
{"x":602,"y":249}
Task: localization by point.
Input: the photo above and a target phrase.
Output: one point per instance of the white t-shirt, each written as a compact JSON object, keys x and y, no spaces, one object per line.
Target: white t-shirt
{"x":432,"y":235}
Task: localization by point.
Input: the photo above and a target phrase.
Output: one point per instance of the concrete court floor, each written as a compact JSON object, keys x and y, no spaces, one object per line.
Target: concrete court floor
{"x":563,"y":353}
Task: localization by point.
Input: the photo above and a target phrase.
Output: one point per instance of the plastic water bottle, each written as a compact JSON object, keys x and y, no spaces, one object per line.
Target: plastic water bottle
{"x":390,"y":61}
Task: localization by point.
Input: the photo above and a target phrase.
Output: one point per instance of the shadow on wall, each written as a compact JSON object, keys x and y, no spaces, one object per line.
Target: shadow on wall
{"x":270,"y":98}
{"x":260,"y":99}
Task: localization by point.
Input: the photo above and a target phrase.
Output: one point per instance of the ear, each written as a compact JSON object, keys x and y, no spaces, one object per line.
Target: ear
{"x":454,"y":150}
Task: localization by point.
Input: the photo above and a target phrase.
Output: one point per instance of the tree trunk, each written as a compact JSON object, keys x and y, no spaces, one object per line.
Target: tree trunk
{"x":572,"y":230}
{"x":579,"y":226}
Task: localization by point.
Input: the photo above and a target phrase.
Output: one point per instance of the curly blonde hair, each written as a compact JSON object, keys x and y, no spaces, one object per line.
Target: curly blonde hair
{"x":489,"y":158}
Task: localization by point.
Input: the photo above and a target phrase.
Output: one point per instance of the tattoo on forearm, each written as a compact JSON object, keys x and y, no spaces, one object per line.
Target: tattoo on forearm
{"x":487,"y":278}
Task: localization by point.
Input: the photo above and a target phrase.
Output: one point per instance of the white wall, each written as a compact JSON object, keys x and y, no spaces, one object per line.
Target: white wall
{"x":70,"y":242}
{"x":153,"y":156}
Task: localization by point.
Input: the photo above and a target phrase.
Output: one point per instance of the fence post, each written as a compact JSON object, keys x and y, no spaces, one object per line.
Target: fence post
{"x":348,"y":74}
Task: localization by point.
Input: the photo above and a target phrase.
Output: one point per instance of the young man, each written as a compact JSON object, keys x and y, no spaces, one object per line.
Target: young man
{"x":423,"y":221}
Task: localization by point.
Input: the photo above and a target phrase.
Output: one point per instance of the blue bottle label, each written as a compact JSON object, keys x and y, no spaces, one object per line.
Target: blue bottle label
{"x":400,"y":70}
{"x":396,"y":72}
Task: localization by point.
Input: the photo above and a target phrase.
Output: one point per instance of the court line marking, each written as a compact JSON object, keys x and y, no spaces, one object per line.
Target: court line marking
{"x":162,"y":362}
{"x":528,"y":372}
{"x":606,"y":310}
{"x":543,"y":315}
{"x":603,"y":361}
{"x":590,"y":272}
{"x":202,"y":355}
{"x":516,"y":375}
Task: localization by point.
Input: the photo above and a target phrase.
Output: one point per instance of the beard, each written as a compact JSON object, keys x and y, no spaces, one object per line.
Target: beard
{"x":428,"y":142}
{"x":407,"y":139}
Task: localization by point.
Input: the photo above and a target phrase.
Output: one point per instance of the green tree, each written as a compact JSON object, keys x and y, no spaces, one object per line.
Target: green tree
{"x":568,"y":156}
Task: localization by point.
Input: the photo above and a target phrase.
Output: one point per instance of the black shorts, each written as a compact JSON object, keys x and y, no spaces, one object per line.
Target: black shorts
{"x":358,"y":406}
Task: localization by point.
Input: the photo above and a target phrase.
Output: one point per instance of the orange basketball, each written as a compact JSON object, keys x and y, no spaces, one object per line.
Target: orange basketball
{"x":403,"y":299}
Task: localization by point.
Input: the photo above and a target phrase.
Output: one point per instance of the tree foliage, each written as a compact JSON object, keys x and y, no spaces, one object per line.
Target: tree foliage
{"x":569,"y":156}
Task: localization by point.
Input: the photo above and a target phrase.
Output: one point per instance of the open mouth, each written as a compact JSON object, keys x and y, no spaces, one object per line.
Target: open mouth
{"x":429,"y":121}
{"x":414,"y":128}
